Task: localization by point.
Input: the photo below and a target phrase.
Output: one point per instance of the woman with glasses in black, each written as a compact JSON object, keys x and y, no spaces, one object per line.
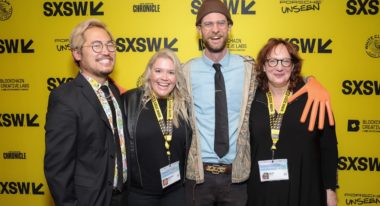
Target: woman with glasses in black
{"x":291,"y":166}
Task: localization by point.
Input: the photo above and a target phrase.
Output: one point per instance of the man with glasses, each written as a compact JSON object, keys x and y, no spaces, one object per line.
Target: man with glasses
{"x":85,"y":158}
{"x":219,"y":157}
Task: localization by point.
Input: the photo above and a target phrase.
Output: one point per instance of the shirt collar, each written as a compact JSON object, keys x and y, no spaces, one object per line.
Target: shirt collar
{"x":224,"y":62}
{"x":94,"y":84}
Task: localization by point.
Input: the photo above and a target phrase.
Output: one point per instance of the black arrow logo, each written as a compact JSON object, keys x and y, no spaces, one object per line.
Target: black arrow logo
{"x":30,"y":121}
{"x":95,"y":10}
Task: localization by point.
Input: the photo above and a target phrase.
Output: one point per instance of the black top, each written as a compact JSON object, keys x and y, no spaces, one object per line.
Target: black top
{"x":151,"y":150}
{"x":312,"y":157}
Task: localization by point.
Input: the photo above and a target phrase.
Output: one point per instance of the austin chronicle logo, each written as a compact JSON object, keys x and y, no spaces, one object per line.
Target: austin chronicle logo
{"x":5,"y":10}
{"x":372,"y":46}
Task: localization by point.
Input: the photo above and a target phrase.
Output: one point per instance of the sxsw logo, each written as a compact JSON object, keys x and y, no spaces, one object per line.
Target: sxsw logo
{"x":143,"y":44}
{"x":353,"y":125}
{"x":244,"y":7}
{"x":362,"y":7}
{"x":22,"y":188}
{"x":54,"y":82}
{"x":312,"y":45}
{"x":73,"y":8}
{"x":359,"y":163}
{"x":16,"y":46}
{"x":18,"y":120}
{"x":360,"y":87}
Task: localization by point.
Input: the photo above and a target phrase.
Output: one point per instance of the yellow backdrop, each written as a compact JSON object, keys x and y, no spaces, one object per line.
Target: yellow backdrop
{"x":339,"y":40}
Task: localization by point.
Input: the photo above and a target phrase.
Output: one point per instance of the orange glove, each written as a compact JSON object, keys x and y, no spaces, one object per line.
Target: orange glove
{"x":318,"y":96}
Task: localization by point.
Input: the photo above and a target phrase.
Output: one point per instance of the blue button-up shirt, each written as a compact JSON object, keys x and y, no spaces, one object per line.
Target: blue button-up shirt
{"x":203,"y":91}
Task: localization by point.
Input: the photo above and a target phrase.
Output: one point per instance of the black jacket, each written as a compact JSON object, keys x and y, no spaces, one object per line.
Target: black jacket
{"x":79,"y":157}
{"x":132,"y":105}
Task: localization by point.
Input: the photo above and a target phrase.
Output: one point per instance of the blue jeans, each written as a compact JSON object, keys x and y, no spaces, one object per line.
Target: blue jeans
{"x":217,"y":190}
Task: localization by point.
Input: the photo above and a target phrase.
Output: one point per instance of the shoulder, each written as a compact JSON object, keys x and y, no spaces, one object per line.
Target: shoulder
{"x":299,"y":85}
{"x":241,"y":57}
{"x":66,"y":89}
{"x":248,"y":60}
{"x":132,"y":93}
{"x":302,"y":99}
{"x":66,"y":96}
{"x":195,"y":59}
{"x":187,"y":65}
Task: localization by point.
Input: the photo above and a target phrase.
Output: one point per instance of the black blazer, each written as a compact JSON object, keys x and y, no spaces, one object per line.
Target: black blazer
{"x":79,"y":158}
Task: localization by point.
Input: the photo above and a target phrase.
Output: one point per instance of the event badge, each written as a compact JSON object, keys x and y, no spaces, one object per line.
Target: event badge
{"x":273,"y":170}
{"x":170,"y":174}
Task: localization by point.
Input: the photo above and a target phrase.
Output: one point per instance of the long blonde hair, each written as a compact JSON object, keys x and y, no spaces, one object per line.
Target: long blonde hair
{"x":180,"y":93}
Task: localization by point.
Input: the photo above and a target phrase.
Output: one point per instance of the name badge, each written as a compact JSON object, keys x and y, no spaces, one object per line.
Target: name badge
{"x":170,"y":174}
{"x":273,"y":170}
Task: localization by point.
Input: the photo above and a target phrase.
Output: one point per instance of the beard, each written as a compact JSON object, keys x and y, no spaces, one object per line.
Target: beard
{"x":105,"y":73}
{"x":215,"y":49}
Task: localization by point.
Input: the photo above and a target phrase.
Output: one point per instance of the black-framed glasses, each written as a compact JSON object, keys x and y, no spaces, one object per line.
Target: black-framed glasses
{"x":272,"y":62}
{"x":97,"y":46}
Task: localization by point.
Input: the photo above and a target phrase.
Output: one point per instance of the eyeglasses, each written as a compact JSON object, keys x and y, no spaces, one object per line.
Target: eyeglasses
{"x":210,"y":24}
{"x":287,"y":62}
{"x":97,"y":46}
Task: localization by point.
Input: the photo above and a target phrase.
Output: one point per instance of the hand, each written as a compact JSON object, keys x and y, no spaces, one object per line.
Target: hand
{"x":331,"y":197}
{"x":318,"y":96}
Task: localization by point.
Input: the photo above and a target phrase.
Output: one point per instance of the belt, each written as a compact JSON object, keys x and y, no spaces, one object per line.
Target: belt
{"x":217,"y":169}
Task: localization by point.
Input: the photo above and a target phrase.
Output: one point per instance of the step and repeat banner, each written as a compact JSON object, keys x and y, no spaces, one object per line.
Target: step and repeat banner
{"x":338,"y":39}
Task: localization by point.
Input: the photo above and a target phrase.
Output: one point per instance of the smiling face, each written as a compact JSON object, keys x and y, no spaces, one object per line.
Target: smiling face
{"x":278,"y":76}
{"x":162,"y":77}
{"x":95,"y":65}
{"x":214,"y":29}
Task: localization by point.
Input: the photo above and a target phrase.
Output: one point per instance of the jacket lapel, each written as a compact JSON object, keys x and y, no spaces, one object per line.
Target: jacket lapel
{"x":116,"y":93}
{"x":91,"y":97}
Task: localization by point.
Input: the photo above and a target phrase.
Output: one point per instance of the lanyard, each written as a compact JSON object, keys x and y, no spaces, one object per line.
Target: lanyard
{"x":166,"y":129}
{"x":276,"y":118}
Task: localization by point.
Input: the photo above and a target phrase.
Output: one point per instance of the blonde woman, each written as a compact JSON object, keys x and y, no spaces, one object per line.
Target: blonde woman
{"x":158,"y":133}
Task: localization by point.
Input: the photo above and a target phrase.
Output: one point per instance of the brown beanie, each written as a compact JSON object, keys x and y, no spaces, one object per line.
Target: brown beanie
{"x":211,"y":6}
